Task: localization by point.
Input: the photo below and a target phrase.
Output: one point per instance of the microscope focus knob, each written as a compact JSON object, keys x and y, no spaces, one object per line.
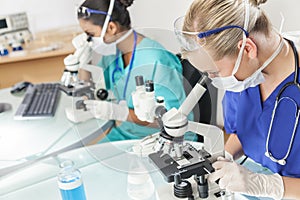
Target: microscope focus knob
{"x":102,"y":94}
{"x":182,"y":188}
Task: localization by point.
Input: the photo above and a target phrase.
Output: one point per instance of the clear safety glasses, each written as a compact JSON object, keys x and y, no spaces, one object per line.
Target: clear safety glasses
{"x":191,"y":41}
{"x":86,"y":12}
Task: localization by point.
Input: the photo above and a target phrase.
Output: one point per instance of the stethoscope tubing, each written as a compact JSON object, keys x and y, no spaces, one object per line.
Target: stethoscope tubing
{"x":282,"y":161}
{"x":118,"y":68}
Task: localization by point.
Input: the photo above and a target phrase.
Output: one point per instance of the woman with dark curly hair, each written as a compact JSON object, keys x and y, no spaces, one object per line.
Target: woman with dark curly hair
{"x":126,"y":54}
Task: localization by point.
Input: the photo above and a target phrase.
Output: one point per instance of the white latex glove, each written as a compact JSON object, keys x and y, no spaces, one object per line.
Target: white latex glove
{"x":108,"y":110}
{"x":228,"y":156}
{"x":147,"y":145}
{"x":77,"y":116}
{"x":236,"y":178}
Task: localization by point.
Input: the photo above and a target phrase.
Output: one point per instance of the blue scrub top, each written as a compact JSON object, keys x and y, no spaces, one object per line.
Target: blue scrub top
{"x":153,"y":62}
{"x":247,"y":116}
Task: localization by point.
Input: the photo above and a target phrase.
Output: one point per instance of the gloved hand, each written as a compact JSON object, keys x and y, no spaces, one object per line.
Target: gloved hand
{"x":77,"y":116}
{"x":228,"y":156}
{"x":236,"y":178}
{"x":108,"y":110}
{"x":147,"y":145}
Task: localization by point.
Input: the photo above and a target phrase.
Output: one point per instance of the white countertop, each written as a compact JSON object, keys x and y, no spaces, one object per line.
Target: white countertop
{"x":28,"y":140}
{"x":105,"y":170}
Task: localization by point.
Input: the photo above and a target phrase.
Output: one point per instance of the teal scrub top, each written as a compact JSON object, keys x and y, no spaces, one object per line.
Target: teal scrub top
{"x":153,"y":62}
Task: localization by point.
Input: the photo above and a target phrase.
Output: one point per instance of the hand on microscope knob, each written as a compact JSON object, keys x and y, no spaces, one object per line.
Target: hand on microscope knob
{"x":108,"y":110}
{"x":236,"y":178}
{"x":78,"y":115}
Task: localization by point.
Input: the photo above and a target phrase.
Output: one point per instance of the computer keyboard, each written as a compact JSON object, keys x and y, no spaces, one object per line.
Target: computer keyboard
{"x":39,"y":101}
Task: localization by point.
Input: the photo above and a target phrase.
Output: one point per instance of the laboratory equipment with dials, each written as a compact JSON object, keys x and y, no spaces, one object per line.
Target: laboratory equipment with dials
{"x":14,"y":33}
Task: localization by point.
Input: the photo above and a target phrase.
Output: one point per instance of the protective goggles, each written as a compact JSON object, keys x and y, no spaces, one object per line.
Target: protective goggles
{"x":191,"y":41}
{"x":86,"y":12}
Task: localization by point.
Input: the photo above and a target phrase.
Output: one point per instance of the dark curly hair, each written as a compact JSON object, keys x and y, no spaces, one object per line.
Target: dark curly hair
{"x":120,"y":13}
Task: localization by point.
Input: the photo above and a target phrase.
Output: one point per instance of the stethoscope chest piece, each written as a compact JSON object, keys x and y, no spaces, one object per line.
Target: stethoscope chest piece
{"x":280,"y":161}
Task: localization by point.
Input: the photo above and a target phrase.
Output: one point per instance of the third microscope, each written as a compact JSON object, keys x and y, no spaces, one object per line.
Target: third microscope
{"x":176,"y":158}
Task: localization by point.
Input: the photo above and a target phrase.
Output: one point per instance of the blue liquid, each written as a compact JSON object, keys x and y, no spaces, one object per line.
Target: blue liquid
{"x":74,"y":194}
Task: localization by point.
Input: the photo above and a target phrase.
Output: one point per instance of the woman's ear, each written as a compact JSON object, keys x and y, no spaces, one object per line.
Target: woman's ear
{"x":250,"y":48}
{"x":112,"y":28}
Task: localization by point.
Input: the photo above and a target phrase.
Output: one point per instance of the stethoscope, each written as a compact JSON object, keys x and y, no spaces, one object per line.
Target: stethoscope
{"x":119,"y":69}
{"x":282,"y":161}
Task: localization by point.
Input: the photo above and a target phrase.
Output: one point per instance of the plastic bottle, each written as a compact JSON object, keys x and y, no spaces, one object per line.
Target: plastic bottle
{"x":139,"y":183}
{"x":3,"y":50}
{"x":70,"y":182}
{"x":140,"y":187}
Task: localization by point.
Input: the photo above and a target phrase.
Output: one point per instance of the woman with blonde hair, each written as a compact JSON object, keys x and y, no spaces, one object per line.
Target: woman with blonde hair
{"x":258,"y":69}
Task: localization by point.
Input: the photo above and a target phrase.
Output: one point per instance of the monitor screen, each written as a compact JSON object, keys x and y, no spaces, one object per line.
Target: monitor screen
{"x":3,"y":23}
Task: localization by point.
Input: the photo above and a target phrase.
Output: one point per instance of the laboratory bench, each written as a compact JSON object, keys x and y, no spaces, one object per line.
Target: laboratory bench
{"x":23,"y":142}
{"x":41,"y":59}
{"x":109,"y":171}
{"x":31,"y":151}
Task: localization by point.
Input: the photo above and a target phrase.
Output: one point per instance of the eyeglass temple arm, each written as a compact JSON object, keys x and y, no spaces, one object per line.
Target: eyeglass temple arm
{"x":217,"y":30}
{"x":98,"y":12}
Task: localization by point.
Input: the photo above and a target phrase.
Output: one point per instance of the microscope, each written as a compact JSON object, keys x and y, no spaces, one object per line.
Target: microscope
{"x":81,"y":90}
{"x":70,"y":81}
{"x":175,"y":158}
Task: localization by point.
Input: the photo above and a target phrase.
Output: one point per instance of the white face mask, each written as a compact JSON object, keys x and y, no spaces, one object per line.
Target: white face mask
{"x":98,"y":44}
{"x":230,"y":83}
{"x":106,"y":49}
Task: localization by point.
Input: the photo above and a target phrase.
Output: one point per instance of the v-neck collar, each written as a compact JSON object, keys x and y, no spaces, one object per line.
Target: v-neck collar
{"x":271,"y":98}
{"x":121,"y":62}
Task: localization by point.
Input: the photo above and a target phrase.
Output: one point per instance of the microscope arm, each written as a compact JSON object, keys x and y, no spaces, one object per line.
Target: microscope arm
{"x":213,"y":138}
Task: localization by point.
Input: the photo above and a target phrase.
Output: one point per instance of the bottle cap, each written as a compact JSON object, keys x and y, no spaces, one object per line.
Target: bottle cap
{"x":66,"y":164}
